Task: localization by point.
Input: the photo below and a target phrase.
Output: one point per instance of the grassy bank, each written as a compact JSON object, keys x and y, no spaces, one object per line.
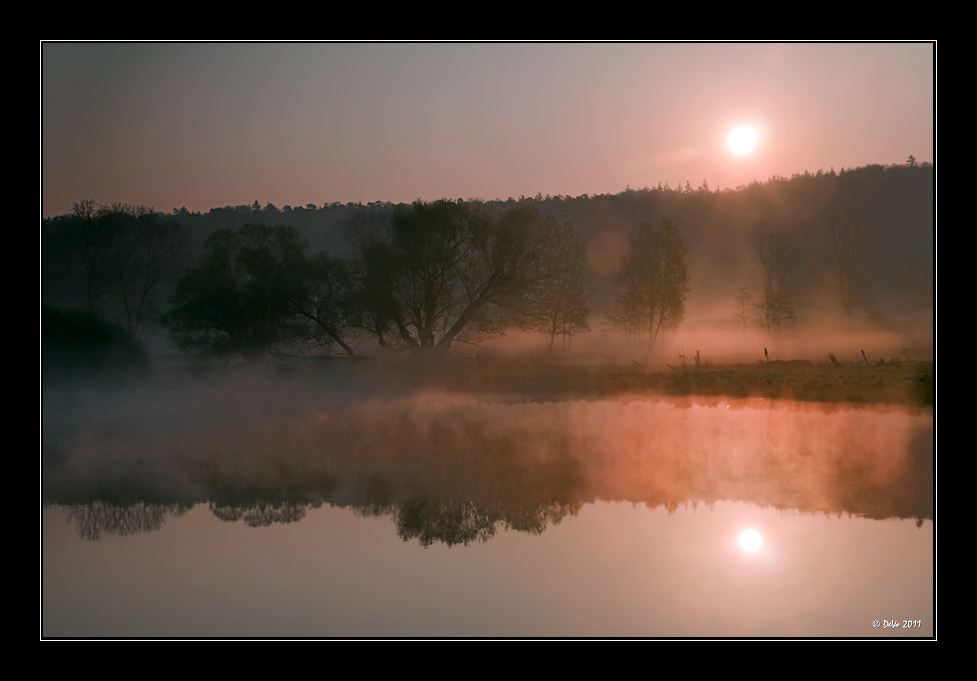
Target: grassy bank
{"x":894,"y":383}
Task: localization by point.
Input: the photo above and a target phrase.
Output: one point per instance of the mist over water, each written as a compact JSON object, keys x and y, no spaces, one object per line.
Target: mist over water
{"x":252,"y":438}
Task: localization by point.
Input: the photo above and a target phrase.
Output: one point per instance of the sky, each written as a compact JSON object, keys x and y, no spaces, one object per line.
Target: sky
{"x":204,"y":125}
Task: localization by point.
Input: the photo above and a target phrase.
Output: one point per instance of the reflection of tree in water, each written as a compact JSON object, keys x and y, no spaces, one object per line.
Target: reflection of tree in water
{"x":260,"y":514}
{"x":873,"y":492}
{"x":464,"y":522}
{"x":101,"y":519}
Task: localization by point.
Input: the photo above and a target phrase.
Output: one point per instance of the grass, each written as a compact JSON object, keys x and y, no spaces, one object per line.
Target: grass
{"x":894,"y":383}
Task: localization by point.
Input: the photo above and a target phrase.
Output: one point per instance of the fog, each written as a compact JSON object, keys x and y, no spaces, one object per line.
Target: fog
{"x":249,"y":438}
{"x":722,"y":343}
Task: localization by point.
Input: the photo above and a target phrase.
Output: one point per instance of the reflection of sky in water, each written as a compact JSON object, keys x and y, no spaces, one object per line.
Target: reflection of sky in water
{"x":614,"y":569}
{"x":452,"y":515}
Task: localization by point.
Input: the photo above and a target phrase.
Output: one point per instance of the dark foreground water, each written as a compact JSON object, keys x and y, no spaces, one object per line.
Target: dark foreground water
{"x":261,"y":509}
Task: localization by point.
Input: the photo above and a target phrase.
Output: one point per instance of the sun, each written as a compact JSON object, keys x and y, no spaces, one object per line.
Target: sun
{"x":742,"y":140}
{"x":750,"y":541}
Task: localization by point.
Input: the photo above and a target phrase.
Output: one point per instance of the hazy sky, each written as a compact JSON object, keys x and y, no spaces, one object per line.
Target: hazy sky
{"x":204,"y":125}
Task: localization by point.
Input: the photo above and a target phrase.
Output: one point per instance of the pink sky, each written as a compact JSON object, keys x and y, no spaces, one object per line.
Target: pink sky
{"x":205,"y":125}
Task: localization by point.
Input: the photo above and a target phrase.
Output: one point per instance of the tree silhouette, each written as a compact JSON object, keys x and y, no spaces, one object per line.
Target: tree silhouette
{"x":558,"y":307}
{"x":744,"y":307}
{"x":241,"y":296}
{"x":653,"y":282}
{"x":850,"y":254}
{"x":775,"y":308}
{"x":148,"y":248}
{"x":84,"y":249}
{"x":120,"y":251}
{"x":448,"y":271}
{"x":329,"y":297}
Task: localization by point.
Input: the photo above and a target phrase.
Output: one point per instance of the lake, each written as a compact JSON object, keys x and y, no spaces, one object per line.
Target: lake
{"x":255,"y":506}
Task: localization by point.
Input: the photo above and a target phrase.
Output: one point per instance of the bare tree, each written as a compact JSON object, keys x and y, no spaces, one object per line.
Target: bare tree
{"x":850,"y":254}
{"x":779,"y":259}
{"x":83,"y":247}
{"x":147,"y":249}
{"x":744,"y":307}
{"x":121,"y":251}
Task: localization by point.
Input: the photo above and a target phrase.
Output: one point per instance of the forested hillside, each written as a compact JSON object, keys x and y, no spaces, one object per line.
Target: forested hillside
{"x":858,"y":242}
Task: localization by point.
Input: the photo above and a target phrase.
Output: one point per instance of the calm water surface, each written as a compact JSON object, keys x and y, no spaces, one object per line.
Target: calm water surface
{"x":206,"y":510}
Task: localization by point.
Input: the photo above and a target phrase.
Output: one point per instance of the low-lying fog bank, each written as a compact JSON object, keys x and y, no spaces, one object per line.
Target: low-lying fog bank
{"x":262,"y":443}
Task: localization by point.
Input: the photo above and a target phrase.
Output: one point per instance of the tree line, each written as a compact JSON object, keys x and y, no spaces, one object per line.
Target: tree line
{"x":421,"y":278}
{"x":433,"y":275}
{"x":428,"y":276}
{"x":893,"y":202}
{"x":118,"y":251}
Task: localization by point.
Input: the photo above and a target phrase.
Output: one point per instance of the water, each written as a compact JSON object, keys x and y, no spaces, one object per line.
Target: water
{"x":209,"y":510}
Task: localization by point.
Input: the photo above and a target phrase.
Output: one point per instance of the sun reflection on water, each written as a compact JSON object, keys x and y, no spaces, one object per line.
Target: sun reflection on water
{"x":750,"y":541}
